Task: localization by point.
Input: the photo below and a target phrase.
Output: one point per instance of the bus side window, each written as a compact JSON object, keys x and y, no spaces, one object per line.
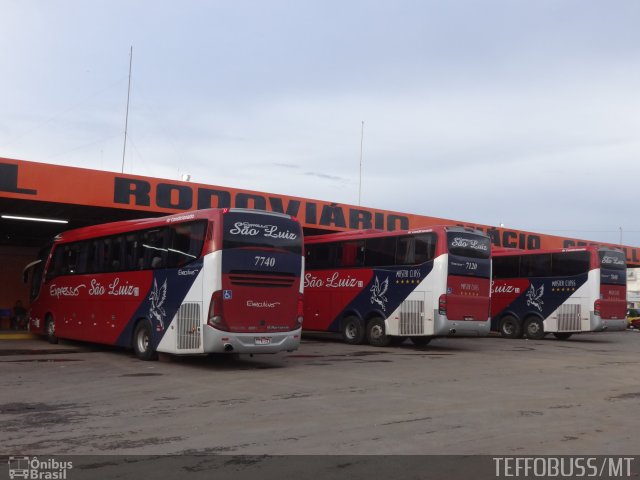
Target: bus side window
{"x":55,"y":266}
{"x":82,"y":256}
{"x":64,"y":267}
{"x":113,"y":259}
{"x":107,"y":252}
{"x":95,"y":256}
{"x":536,"y":265}
{"x":322,"y":255}
{"x":352,"y":254}
{"x":415,"y":249}
{"x":567,"y":264}
{"x":197,"y":234}
{"x":132,"y":254}
{"x":425,"y":247}
{"x":405,"y":253}
{"x":380,"y":251}
{"x":506,"y":267}
{"x":36,"y":281}
{"x":38,"y":271}
{"x":154,"y":245}
{"x":186,"y":243}
{"x":71,"y":259}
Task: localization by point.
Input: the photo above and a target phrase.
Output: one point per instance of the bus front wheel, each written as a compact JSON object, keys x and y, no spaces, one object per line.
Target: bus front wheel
{"x":352,"y":331}
{"x":142,"y":341}
{"x":534,"y":328}
{"x":376,"y":334}
{"x":510,"y":327}
{"x":50,"y":329}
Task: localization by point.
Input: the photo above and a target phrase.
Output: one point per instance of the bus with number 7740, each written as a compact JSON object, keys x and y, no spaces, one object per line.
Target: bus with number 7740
{"x":206,"y":281}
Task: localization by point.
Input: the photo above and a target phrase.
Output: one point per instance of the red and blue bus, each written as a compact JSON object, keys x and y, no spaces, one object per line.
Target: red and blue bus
{"x":379,"y":286}
{"x":207,"y":281}
{"x":563,"y":291}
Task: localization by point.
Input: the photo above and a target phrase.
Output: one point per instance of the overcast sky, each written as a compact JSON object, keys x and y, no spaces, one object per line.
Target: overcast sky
{"x":521,"y":112}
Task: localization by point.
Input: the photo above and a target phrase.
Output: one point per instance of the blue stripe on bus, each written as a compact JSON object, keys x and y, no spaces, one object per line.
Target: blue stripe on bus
{"x":166,"y":294}
{"x":385,"y":292}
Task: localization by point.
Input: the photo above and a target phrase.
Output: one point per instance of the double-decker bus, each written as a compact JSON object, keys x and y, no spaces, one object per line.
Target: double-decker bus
{"x":207,"y":281}
{"x":563,"y":291}
{"x":378,"y":286}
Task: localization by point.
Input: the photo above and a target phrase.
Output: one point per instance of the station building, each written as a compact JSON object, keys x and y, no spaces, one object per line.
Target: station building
{"x":38,"y":201}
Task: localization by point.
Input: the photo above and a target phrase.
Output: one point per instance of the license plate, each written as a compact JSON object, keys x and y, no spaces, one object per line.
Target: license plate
{"x":263,"y":340}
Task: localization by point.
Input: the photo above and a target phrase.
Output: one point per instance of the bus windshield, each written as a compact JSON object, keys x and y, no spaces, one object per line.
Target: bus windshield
{"x":246,"y":230}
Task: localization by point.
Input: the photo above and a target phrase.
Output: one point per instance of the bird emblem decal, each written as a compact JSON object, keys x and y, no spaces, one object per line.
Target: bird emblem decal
{"x":157,"y":298}
{"x":378,"y":291}
{"x":534,"y":297}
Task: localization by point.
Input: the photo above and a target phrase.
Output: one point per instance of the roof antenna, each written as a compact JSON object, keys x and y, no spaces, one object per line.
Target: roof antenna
{"x":126,"y":118}
{"x":360,"y":180}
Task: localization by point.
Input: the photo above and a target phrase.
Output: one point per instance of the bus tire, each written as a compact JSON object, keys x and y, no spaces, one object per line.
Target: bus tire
{"x":352,"y":330}
{"x":420,"y":341}
{"x":376,"y":335}
{"x":50,"y":329}
{"x":510,"y":327}
{"x":534,"y":328}
{"x":142,"y":341}
{"x":562,"y":335}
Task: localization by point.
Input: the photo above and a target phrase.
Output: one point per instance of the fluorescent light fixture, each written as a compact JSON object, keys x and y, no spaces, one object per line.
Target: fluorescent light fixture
{"x":34,"y":219}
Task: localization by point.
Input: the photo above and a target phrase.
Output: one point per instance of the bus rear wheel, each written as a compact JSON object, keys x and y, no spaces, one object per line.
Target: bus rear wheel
{"x":376,"y":334}
{"x":50,"y":329}
{"x":142,"y":341}
{"x":562,"y":335}
{"x":534,"y":328}
{"x":510,"y":327}
{"x":352,"y":331}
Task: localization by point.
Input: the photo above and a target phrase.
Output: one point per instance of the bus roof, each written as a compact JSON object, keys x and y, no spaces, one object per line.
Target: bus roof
{"x":505,"y":252}
{"x":374,"y":233}
{"x":114,"y":228}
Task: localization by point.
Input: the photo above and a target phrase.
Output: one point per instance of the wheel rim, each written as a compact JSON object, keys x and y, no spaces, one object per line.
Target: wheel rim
{"x":377,"y":332}
{"x":51,"y":328}
{"x":508,"y":328}
{"x":350,"y":330}
{"x":143,"y":340}
{"x":533,"y":328}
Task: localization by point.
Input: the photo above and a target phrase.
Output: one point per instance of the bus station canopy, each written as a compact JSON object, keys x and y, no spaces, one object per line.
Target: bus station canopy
{"x":82,"y":197}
